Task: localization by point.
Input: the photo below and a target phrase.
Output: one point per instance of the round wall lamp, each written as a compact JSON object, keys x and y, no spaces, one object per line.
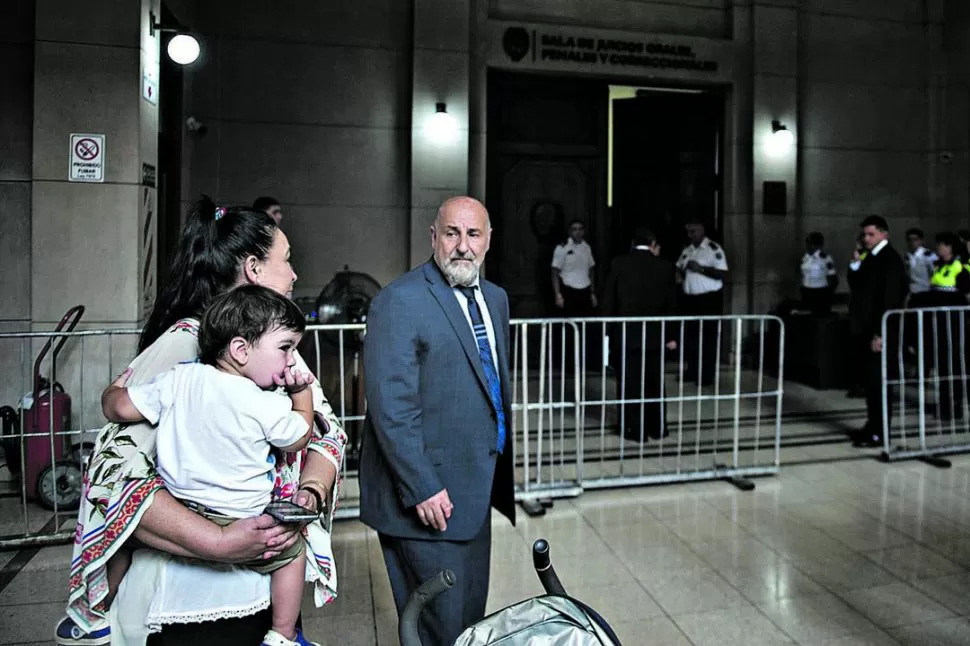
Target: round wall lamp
{"x":781,"y":140}
{"x":441,"y":127}
{"x":183,"y":48}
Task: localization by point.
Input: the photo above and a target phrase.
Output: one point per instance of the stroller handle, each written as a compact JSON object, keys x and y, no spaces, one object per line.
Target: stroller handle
{"x":408,"y":628}
{"x":543,"y":565}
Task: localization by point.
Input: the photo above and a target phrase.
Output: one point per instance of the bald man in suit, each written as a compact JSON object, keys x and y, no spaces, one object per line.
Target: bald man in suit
{"x":437,"y":443}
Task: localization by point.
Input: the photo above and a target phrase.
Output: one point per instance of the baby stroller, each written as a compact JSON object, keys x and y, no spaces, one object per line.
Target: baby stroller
{"x":553,"y":619}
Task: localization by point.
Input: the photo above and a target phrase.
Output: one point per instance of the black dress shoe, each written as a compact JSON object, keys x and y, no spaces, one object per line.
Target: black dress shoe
{"x":867,"y":441}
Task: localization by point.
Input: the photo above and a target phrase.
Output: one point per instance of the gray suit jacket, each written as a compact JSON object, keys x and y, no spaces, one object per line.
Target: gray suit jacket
{"x":430,"y":421}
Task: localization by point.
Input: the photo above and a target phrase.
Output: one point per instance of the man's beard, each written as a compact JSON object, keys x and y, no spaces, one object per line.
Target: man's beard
{"x":461,"y":274}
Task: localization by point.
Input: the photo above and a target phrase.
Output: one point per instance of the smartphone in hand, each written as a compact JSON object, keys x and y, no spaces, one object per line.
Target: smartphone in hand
{"x":290,"y":513}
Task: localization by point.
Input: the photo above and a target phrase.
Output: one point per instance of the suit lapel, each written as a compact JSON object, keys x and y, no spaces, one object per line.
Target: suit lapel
{"x":445,"y":296}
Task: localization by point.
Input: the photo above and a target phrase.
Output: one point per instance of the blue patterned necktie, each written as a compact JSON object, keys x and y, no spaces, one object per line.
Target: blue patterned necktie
{"x":485,"y":354}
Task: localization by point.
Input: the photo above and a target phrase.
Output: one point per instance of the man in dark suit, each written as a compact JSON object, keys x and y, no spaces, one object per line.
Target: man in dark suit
{"x":436,"y":450}
{"x":879,"y":283}
{"x":641,"y":284}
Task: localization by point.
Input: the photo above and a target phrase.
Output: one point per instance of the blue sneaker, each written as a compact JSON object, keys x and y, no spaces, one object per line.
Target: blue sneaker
{"x":273,"y":638}
{"x":68,"y":633}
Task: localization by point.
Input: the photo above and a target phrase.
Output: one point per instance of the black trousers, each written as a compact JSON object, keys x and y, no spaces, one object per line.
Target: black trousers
{"x":411,"y":562}
{"x":859,"y":351}
{"x":240,"y":631}
{"x":643,"y":370}
{"x":700,"y":337}
{"x":943,"y":342}
{"x":578,"y":303}
{"x":873,"y":384}
{"x":817,"y":300}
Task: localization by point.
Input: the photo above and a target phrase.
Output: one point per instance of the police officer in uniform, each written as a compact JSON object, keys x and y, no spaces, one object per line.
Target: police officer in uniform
{"x":921,"y":263}
{"x":949,"y":285}
{"x":819,"y":277}
{"x":701,"y":270}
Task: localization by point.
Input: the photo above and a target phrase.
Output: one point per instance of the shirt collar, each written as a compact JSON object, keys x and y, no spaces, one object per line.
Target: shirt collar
{"x":879,"y":247}
{"x":702,"y":243}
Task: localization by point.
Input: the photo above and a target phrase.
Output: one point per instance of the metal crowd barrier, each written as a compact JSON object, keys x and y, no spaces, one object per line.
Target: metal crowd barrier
{"x":571,"y":400}
{"x":51,"y":414}
{"x":725,"y":424}
{"x":924,"y":374}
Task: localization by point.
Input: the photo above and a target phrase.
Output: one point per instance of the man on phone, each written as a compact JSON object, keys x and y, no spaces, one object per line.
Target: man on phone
{"x":879,"y":283}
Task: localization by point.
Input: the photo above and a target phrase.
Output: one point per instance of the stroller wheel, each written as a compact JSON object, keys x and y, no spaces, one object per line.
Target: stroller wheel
{"x":60,"y":482}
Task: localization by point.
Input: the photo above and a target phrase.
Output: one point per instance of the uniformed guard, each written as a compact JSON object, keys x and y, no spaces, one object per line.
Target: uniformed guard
{"x":701,"y":269}
{"x":819,"y":276}
{"x":920,"y":262}
{"x":943,"y":331}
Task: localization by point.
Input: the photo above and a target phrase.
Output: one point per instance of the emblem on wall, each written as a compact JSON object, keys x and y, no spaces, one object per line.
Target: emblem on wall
{"x":515,"y":42}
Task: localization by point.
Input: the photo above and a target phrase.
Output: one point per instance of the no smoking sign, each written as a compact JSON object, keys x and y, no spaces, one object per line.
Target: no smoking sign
{"x":87,"y":158}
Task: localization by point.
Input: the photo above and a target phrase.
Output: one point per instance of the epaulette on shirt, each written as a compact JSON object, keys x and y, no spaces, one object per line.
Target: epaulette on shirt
{"x":823,"y":255}
{"x":712,"y":245}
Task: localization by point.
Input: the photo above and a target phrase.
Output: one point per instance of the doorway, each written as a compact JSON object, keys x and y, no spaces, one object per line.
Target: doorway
{"x":666,"y":163}
{"x":616,"y":157}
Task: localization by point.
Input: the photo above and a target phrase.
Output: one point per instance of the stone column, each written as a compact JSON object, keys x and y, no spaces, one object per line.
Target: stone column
{"x":776,"y":238}
{"x":441,"y":59}
{"x":92,"y":244}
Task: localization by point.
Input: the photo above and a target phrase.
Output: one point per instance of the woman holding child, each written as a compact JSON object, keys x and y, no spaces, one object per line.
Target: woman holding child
{"x":183,"y":588}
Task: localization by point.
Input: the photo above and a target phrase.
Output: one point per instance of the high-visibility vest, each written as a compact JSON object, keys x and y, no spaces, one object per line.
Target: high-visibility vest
{"x":945,"y":278}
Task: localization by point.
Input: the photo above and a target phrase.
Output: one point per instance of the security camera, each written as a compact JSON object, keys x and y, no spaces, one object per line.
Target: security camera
{"x":196,"y":126}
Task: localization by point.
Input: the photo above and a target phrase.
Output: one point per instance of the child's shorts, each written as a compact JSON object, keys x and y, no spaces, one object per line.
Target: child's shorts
{"x":263,"y":566}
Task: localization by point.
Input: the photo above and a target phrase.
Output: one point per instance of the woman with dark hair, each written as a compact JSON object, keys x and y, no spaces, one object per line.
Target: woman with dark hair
{"x":182,"y":588}
{"x":945,"y":330}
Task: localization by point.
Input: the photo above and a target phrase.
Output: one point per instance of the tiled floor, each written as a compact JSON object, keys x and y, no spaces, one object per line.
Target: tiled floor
{"x":851,"y":552}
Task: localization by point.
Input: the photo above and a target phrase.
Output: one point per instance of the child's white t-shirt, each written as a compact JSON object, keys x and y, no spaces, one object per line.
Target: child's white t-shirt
{"x":214,"y":435}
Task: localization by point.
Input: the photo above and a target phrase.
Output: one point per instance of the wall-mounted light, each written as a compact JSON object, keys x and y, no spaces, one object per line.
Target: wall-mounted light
{"x":184,"y":48}
{"x":441,"y":127}
{"x":781,"y":140}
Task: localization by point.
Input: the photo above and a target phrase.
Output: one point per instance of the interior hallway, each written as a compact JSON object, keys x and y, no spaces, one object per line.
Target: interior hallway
{"x":847,"y":552}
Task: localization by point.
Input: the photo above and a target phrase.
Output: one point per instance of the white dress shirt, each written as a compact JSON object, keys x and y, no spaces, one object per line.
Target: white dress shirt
{"x":855,"y":264}
{"x":921,"y":269}
{"x":486,"y":318}
{"x":574,"y":262}
{"x":706,"y":254}
{"x":817,"y":267}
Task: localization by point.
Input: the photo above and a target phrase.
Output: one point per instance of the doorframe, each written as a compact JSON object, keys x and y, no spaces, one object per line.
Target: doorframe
{"x":736,"y":157}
